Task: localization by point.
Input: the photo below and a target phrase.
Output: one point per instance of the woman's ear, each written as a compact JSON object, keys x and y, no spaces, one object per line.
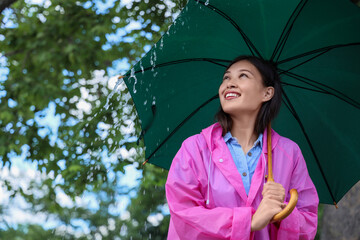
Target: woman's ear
{"x":269,"y":93}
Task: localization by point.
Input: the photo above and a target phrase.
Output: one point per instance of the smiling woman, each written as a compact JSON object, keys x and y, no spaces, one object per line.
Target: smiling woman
{"x":216,"y":187}
{"x":251,"y":72}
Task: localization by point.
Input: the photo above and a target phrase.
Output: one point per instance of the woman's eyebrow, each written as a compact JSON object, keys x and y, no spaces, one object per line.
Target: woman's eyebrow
{"x":245,"y":70}
{"x":241,"y":70}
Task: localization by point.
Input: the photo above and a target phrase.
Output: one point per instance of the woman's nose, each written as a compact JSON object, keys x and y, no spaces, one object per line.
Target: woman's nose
{"x":230,"y":84}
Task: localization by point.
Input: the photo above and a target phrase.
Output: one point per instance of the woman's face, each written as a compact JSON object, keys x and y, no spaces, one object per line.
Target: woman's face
{"x":242,"y":90}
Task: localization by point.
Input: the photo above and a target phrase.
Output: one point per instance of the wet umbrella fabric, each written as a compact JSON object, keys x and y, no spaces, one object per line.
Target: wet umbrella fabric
{"x":316,"y":46}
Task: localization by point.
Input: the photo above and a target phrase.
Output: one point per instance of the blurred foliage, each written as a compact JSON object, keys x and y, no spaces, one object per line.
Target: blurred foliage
{"x":51,"y":52}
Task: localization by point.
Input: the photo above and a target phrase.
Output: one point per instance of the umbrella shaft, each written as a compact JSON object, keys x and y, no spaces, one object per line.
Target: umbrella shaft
{"x":270,"y":174}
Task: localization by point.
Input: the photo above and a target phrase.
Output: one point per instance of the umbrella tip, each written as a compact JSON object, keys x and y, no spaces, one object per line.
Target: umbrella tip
{"x":336,"y":206}
{"x":145,"y":162}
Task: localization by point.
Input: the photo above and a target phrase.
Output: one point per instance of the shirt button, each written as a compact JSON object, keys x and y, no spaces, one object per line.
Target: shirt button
{"x":249,"y":154}
{"x":244,"y":174}
{"x":221,"y":160}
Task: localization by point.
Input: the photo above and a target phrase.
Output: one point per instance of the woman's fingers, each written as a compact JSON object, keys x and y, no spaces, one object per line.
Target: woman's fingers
{"x":265,"y":212}
{"x":274,"y":191}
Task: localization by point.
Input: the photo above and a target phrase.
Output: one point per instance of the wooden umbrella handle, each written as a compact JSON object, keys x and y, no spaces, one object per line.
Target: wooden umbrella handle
{"x":289,"y":207}
{"x":293,"y":192}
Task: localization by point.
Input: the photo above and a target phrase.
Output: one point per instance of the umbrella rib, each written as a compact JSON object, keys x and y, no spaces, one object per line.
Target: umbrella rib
{"x":287,"y":29}
{"x":302,"y":63}
{"x":296,"y":116}
{"x":313,"y":83}
{"x":224,"y":15}
{"x":323,"y":49}
{"x":310,"y":89}
{"x":182,"y":123}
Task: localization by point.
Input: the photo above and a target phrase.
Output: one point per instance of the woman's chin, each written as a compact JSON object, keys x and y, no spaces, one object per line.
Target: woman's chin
{"x":236,"y":111}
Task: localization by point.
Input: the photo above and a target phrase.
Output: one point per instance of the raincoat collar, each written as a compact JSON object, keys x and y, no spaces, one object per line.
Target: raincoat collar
{"x":222,"y":158}
{"x":215,"y":132}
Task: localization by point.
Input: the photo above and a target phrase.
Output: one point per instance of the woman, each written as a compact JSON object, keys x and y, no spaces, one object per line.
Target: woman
{"x":216,"y":187}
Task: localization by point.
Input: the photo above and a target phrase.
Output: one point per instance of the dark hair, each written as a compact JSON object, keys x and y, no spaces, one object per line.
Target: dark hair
{"x":269,"y":109}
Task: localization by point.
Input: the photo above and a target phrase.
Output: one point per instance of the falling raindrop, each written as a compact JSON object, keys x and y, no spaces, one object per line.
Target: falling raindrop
{"x":207,"y":2}
{"x":119,"y":81}
{"x":154,"y":101}
{"x":132,"y":75}
{"x":154,"y":58}
{"x":168,"y":31}
{"x":142,"y":68}
{"x":168,"y":129}
{"x":161,"y":43}
{"x":145,"y":102}
{"x":151,"y":60}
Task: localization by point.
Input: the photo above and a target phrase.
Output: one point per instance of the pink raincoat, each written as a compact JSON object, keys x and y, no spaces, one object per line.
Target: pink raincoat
{"x":207,"y":198}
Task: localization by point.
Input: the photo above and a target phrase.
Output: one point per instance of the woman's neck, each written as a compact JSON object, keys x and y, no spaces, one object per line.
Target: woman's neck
{"x":243,"y":129}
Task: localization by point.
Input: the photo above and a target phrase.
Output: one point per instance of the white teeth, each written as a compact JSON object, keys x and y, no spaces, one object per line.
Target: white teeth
{"x":231,"y":95}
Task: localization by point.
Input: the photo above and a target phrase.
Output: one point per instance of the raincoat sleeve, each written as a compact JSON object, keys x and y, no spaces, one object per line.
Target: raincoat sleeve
{"x":302,"y":222}
{"x":190,"y":219}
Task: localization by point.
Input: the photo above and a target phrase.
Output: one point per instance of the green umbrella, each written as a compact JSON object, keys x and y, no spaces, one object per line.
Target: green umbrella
{"x":316,"y":45}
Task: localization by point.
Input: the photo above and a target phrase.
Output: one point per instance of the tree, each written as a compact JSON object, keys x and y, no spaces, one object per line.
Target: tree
{"x":51,"y":53}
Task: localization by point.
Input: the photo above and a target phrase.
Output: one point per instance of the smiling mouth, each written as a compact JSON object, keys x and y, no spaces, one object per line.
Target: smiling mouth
{"x":231,"y":95}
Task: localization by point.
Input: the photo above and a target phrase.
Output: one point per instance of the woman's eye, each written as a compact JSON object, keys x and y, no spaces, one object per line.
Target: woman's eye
{"x":243,"y":75}
{"x":225,"y":77}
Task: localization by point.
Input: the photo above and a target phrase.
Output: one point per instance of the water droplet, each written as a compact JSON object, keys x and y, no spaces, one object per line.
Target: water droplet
{"x":142,"y":68}
{"x":151,"y":60}
{"x":132,"y":75}
{"x":154,"y":58}
{"x":119,"y":81}
{"x":145,"y":102}
{"x":161,"y":43}
{"x":207,"y":2}
{"x":168,"y":129}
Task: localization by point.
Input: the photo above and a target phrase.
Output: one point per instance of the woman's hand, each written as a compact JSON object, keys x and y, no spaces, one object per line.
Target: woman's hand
{"x":271,"y":204}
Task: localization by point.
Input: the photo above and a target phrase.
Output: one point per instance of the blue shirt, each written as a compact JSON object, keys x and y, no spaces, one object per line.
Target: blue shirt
{"x":245,"y":165}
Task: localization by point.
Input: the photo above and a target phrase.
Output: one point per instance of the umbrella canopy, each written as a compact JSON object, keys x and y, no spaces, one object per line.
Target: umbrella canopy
{"x":316,"y":45}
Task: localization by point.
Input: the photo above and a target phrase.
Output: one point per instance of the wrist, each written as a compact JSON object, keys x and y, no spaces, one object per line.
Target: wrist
{"x":254,"y":226}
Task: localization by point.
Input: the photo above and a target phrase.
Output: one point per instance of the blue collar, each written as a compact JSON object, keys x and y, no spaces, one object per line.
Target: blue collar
{"x":228,"y":138}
